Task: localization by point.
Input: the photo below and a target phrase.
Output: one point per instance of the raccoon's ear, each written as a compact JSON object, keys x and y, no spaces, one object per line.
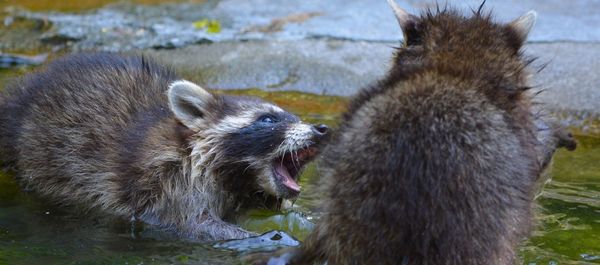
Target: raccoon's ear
{"x":189,"y":102}
{"x":406,"y":20}
{"x":522,"y":26}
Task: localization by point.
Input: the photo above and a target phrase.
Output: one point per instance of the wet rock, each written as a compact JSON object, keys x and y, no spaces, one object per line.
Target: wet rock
{"x":266,"y":242}
{"x":589,"y":257}
{"x":126,"y":26}
{"x":571,"y":80}
{"x":21,"y":35}
{"x":10,"y":60}
{"x":335,"y":67}
{"x":316,"y":66}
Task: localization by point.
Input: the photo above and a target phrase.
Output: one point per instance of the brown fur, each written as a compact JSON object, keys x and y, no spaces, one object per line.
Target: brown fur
{"x":437,"y":162}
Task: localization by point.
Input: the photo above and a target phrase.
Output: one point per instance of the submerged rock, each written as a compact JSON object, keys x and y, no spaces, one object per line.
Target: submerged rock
{"x":8,"y":60}
{"x":266,"y":242}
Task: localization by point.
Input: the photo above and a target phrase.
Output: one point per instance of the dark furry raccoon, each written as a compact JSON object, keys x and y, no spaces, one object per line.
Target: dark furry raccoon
{"x":127,"y":136}
{"x":436,"y":163}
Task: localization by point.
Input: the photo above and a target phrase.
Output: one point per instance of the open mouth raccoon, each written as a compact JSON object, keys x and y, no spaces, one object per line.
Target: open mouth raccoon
{"x":287,"y":168}
{"x":127,"y":136}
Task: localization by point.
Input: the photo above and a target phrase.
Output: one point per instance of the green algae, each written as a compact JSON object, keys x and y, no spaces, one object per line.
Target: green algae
{"x":310,"y":107}
{"x":211,"y":26}
{"x":76,"y":6}
{"x":583,"y":165}
{"x":568,"y":229}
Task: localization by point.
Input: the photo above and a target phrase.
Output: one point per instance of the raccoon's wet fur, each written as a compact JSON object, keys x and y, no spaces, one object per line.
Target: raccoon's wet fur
{"x":436,"y":163}
{"x":127,"y":136}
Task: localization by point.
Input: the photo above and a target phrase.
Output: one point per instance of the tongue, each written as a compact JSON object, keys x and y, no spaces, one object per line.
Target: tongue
{"x":287,"y":179}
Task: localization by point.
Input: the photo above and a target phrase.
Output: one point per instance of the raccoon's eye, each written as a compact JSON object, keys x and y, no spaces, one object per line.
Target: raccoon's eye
{"x":268,"y":119}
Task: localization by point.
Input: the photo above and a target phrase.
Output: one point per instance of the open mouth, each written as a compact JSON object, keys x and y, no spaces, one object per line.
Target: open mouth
{"x":288,"y":167}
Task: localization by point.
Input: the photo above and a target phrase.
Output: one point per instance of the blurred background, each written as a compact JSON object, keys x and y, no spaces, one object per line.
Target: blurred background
{"x":308,"y":56}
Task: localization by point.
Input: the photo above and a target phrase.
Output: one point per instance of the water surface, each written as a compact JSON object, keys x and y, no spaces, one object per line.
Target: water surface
{"x":33,"y":231}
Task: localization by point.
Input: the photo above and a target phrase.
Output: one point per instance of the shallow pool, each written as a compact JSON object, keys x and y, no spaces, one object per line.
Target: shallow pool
{"x":33,"y":231}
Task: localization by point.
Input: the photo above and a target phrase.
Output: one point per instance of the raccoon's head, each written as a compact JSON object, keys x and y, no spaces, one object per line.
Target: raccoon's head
{"x":453,"y":44}
{"x":551,"y":135}
{"x":244,"y":140}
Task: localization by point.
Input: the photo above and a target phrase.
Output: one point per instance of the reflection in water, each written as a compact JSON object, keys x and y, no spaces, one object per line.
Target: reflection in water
{"x":574,"y":193}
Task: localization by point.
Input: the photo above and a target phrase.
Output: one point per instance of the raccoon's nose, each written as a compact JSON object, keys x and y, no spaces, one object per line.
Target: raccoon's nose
{"x":567,"y":141}
{"x":320,"y":129}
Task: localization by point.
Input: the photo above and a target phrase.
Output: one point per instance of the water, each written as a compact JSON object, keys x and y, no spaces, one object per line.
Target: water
{"x":569,"y":216}
{"x":35,"y":232}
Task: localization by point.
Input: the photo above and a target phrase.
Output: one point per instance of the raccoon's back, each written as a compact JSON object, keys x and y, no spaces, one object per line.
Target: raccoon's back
{"x":426,"y":166}
{"x":67,"y":120}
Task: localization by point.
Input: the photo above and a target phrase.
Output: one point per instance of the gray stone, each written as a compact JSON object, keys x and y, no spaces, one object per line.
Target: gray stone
{"x":316,"y":66}
{"x":325,"y":47}
{"x":126,"y":26}
{"x":570,"y":79}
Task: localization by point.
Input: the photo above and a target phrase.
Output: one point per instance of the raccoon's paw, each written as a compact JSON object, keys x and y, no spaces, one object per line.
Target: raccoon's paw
{"x":233,"y":232}
{"x":215,"y":229}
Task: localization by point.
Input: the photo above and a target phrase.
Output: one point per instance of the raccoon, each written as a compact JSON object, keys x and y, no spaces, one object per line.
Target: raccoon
{"x":551,"y":136}
{"x":125,"y":135}
{"x":437,"y":162}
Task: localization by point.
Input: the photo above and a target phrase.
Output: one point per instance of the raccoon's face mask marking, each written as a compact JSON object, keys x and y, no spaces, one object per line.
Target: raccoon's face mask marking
{"x":247,"y":137}
{"x":276,"y":144}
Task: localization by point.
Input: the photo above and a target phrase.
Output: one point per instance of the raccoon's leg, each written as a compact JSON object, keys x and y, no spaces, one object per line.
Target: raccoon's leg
{"x":213,"y":228}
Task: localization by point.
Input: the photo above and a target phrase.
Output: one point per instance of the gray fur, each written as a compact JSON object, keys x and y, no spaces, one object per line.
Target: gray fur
{"x":97,"y":130}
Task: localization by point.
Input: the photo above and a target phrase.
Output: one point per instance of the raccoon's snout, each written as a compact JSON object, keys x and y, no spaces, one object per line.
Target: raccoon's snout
{"x":566,"y":140}
{"x":299,"y":148}
{"x":320,"y":130}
